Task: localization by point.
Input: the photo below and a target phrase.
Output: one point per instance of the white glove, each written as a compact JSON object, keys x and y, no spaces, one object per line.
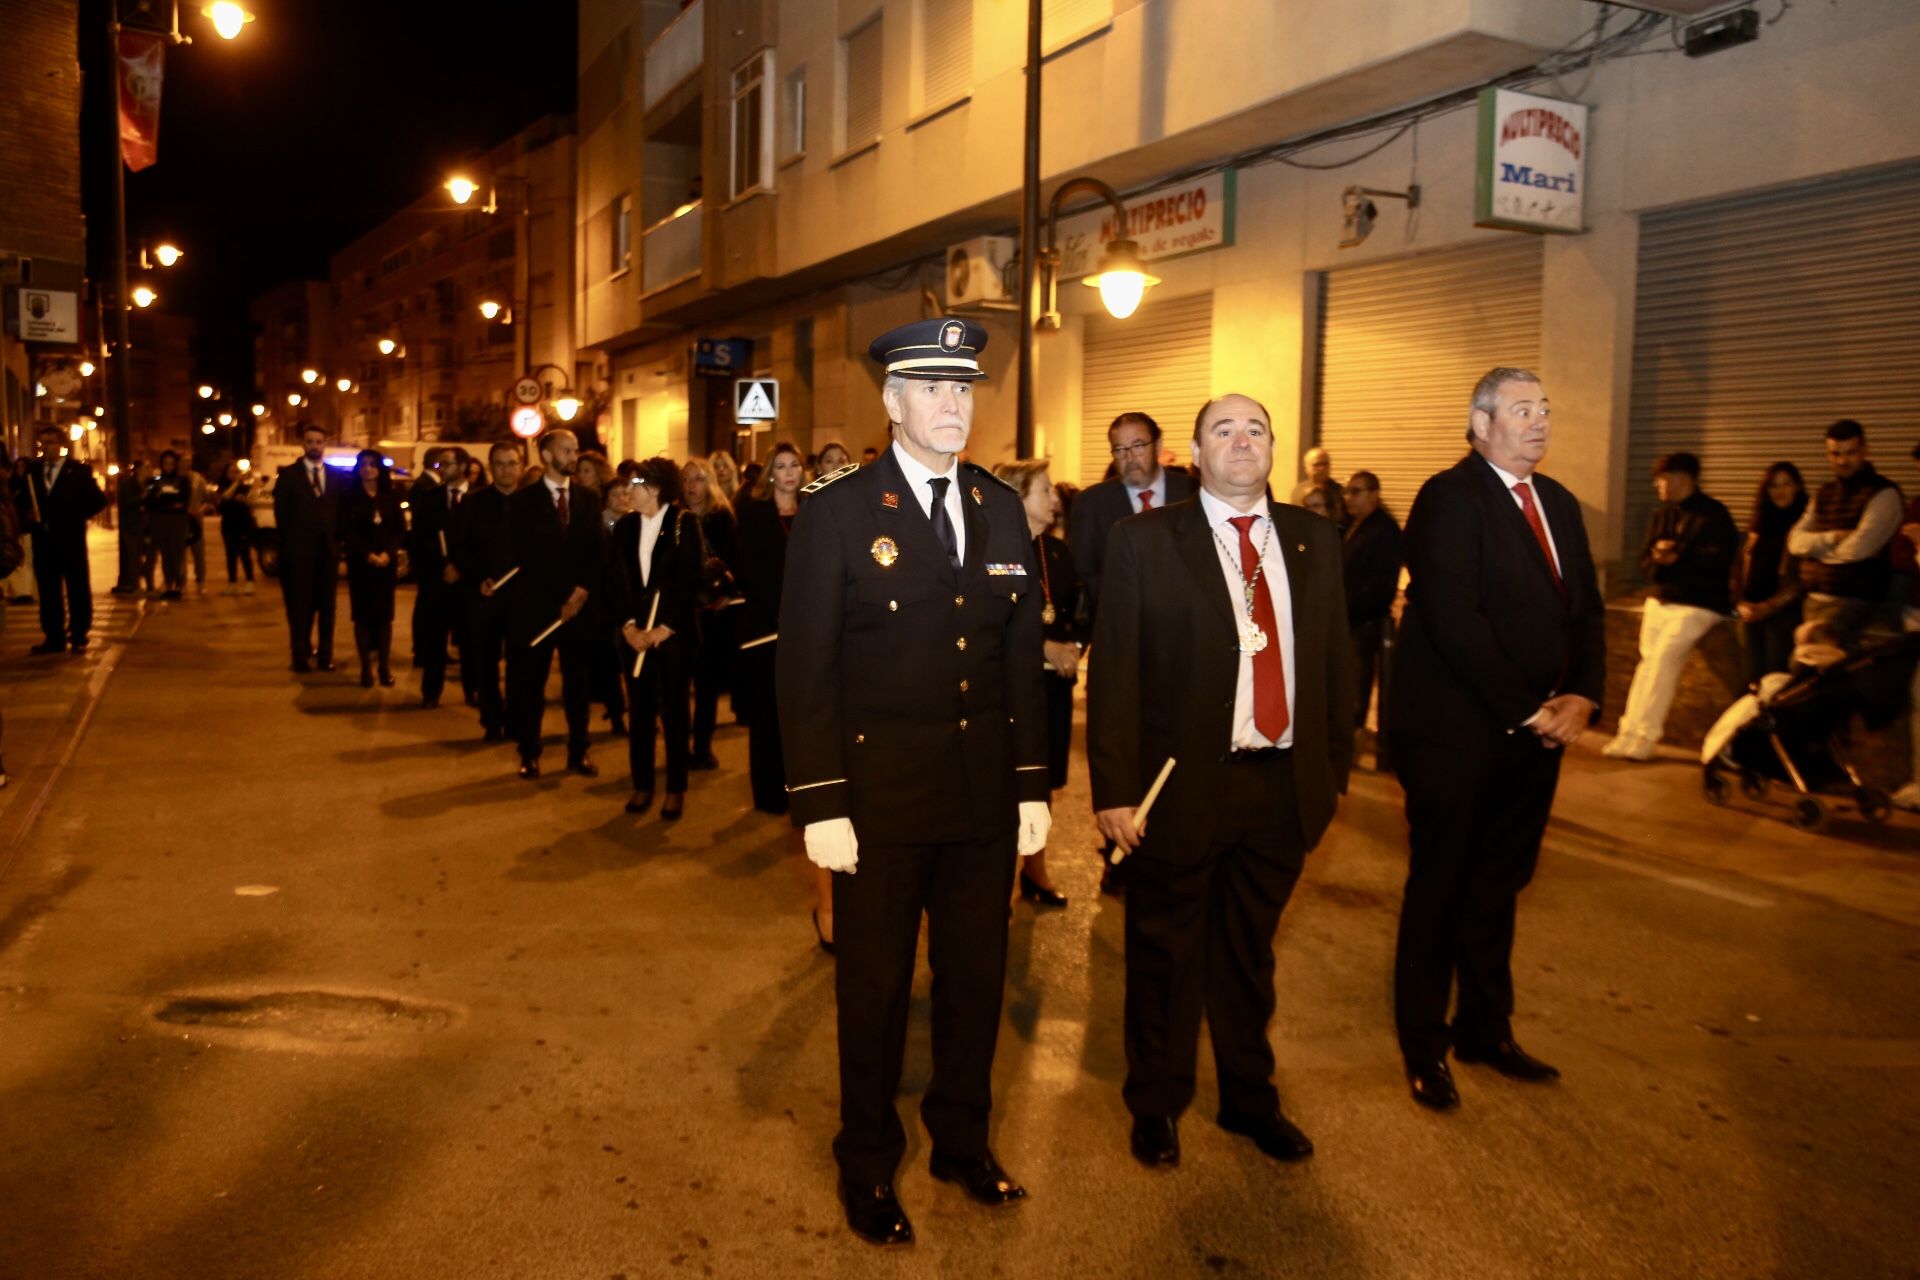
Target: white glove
{"x":1036,"y":820}
{"x":831,"y":845}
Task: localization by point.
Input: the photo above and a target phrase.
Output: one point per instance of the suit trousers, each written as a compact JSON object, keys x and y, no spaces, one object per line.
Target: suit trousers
{"x":1199,"y":938}
{"x":1367,"y":637}
{"x":527,"y":668}
{"x":65,"y":587}
{"x":1059,"y":725}
{"x":481,"y":655}
{"x":661,"y":692}
{"x":308,"y":586}
{"x":766,"y":767}
{"x":1475,"y":817}
{"x":963,"y":889}
{"x":433,"y":606}
{"x":712,"y":672}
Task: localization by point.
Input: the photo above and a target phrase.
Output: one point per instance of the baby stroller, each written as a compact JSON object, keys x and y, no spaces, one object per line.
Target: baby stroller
{"x":1791,"y":728}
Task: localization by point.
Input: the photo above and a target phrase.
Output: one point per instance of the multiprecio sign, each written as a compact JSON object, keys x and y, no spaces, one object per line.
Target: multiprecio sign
{"x":1168,"y":222}
{"x":1532,"y":173}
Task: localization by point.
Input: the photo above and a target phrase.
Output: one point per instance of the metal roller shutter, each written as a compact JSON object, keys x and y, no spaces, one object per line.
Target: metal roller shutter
{"x":1760,"y":320}
{"x":1401,"y":345}
{"x":946,"y":50}
{"x":1159,"y":361}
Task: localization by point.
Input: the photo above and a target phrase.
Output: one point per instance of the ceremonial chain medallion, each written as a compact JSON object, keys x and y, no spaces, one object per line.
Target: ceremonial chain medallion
{"x":1253,"y":636}
{"x":1047,"y":614}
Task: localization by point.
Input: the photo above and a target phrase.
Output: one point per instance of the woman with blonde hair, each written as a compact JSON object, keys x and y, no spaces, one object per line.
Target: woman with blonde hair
{"x":725,"y":474}
{"x":713,"y":661}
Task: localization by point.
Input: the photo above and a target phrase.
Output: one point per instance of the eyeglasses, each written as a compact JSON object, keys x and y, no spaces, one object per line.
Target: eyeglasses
{"x":1355,"y":489}
{"x":1132,"y":450}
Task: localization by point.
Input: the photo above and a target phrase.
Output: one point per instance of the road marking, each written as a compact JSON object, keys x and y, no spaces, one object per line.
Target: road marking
{"x":1606,"y":857}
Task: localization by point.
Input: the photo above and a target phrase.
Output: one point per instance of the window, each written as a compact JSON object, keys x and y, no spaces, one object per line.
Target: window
{"x":794,"y":141}
{"x":501,"y":246}
{"x":946,"y":51}
{"x":622,"y":234}
{"x":752,"y":124}
{"x":1064,"y":21}
{"x":861,"y":59}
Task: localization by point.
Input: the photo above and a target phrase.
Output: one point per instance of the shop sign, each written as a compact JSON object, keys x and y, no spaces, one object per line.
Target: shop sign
{"x":721,"y":357}
{"x":49,"y":315}
{"x":1167,"y":222}
{"x":1532,"y":173}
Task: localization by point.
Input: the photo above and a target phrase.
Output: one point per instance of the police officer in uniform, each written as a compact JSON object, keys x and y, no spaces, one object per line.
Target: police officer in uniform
{"x":914,"y":721}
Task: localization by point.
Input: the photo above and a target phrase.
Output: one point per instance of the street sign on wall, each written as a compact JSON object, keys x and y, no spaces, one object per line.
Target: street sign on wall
{"x":756,"y":400}
{"x":1532,"y":168}
{"x":1167,"y":222}
{"x":49,"y":315}
{"x":722,"y":357}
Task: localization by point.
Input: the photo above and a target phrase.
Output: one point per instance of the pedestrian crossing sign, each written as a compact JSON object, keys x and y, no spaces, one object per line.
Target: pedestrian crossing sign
{"x":755,"y":400}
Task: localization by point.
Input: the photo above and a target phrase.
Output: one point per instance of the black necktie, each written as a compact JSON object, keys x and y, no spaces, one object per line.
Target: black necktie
{"x":314,"y":472}
{"x":942,"y":523}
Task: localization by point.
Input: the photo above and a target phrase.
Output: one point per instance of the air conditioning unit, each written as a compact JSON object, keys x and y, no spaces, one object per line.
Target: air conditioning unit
{"x":977,"y":273}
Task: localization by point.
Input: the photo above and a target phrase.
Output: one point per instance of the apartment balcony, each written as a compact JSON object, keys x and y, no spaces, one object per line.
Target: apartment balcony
{"x":670,"y":250}
{"x":675,"y":55}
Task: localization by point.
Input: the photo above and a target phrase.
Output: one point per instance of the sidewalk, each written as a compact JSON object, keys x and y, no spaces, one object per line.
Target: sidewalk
{"x":48,"y":700}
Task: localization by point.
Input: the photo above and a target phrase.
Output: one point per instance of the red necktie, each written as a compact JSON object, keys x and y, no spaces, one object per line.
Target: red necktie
{"x":1146,"y":499}
{"x":560,"y":503}
{"x":1525,"y":491}
{"x":1269,"y":674}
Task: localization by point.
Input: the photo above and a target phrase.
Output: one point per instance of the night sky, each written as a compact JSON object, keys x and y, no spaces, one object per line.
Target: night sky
{"x":324,"y":117}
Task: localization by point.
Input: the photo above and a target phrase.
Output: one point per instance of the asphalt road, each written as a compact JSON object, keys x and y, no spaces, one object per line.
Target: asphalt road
{"x":298,"y":980}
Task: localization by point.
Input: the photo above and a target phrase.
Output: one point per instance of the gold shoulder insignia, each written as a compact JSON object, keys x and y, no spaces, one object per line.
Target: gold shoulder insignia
{"x":826,"y":480}
{"x":975,"y":468}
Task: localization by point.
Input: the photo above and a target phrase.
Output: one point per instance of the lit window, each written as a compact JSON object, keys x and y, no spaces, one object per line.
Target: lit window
{"x":622,"y":234}
{"x":796,"y":98}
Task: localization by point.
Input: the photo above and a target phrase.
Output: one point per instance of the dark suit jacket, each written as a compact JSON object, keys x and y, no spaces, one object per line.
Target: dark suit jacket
{"x":910,"y":693}
{"x":1166,"y":662}
{"x":760,"y":566}
{"x":1098,"y":508}
{"x":679,"y":562}
{"x":553,"y":560}
{"x":479,"y":537}
{"x":307,"y":523}
{"x":427,"y":504}
{"x":64,"y":511}
{"x":1486,"y":637}
{"x":1371,"y":551}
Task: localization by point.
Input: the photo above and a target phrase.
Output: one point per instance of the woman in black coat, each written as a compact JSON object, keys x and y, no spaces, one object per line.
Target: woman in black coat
{"x":165,"y":502}
{"x":1059,"y":648}
{"x":654,"y":586}
{"x":765,"y":522}
{"x":713,"y":663}
{"x":374,"y":528}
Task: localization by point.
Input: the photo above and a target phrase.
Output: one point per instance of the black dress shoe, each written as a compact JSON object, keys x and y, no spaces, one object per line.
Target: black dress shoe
{"x":640,"y":802}
{"x":324,"y":664}
{"x":1432,"y":1084}
{"x":79,"y":646}
{"x":494,"y":734}
{"x":617,"y":726}
{"x":301,"y":667}
{"x":1156,"y":1141}
{"x":981,"y":1177}
{"x":49,"y":646}
{"x":672,"y":807}
{"x":1038,"y":894}
{"x":874,"y":1214}
{"x":529,"y":769}
{"x":825,"y":945}
{"x":428,"y":704}
{"x":1509,"y":1059}
{"x":1274,"y":1134}
{"x":583,"y":765}
{"x":703,"y":761}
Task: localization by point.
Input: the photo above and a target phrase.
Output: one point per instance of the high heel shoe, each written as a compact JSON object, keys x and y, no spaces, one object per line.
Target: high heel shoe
{"x":1039,"y":894}
{"x":673,"y":806}
{"x":640,"y":802}
{"x":821,"y":937}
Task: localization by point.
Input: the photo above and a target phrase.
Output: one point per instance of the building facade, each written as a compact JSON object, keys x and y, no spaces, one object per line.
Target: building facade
{"x":42,"y":230}
{"x":796,"y":175}
{"x":293,"y":333}
{"x":165,"y":404}
{"x":408,"y":335}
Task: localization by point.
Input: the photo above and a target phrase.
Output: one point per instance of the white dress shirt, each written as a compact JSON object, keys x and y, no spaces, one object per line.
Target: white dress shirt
{"x":555,"y":489}
{"x":917,"y":477}
{"x":317,"y":477}
{"x":1273,"y":580}
{"x":53,"y":473}
{"x":649,"y":535}
{"x":1158,"y":489}
{"x":1509,"y":479}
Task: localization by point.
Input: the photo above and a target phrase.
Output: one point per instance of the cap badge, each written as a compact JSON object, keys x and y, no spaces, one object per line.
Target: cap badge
{"x":891,"y":500}
{"x":885,"y":552}
{"x":952,"y":334}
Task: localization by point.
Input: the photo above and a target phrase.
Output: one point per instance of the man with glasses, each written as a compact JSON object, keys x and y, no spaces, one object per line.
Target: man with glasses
{"x":1138,"y":483}
{"x":1319,"y":465}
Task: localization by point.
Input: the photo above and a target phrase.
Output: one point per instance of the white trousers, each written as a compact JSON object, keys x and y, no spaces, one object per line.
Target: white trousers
{"x":1668,"y":633}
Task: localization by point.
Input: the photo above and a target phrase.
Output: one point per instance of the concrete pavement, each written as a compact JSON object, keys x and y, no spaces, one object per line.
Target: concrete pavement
{"x":297,"y":980}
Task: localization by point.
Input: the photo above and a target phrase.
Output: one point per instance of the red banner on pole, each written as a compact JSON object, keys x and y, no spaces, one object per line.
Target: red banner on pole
{"x":141,"y":63}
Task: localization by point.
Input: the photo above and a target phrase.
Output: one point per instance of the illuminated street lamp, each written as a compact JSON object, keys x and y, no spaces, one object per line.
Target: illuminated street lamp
{"x":343,"y":384}
{"x":206,"y":392}
{"x":225,"y":419}
{"x":144,"y":297}
{"x":309,"y":376}
{"x":245,"y":465}
{"x":387,"y":346}
{"x":489,"y":308}
{"x":566,"y":406}
{"x":206,"y":428}
{"x":228,"y":18}
{"x":168,"y":254}
{"x":461,"y":188}
{"x":86,"y":368}
{"x":75,"y":432}
{"x":295,"y":399}
{"x":259,"y":410}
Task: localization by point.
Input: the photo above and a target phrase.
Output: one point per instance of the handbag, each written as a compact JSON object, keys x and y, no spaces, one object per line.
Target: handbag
{"x":716,"y":579}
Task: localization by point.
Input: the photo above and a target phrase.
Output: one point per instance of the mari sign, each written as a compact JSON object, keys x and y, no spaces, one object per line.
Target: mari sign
{"x":755,"y":400}
{"x":1168,"y":222}
{"x":1532,"y":171}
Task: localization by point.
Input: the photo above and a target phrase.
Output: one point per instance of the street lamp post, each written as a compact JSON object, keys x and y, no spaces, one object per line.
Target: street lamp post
{"x":1029,"y":239}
